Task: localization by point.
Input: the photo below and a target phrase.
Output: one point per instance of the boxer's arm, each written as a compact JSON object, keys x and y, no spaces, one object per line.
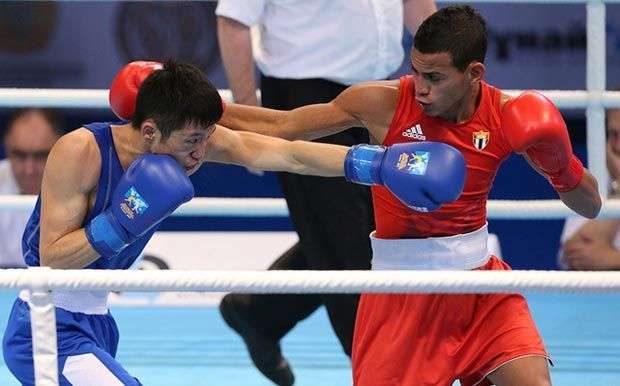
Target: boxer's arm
{"x":236,"y":48}
{"x":64,"y":201}
{"x":535,"y":128}
{"x":268,"y":153}
{"x":584,"y":198}
{"x":369,"y":105}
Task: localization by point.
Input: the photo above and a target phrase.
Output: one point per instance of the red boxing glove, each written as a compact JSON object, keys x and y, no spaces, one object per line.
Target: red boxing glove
{"x":125,"y":86}
{"x":533,"y":125}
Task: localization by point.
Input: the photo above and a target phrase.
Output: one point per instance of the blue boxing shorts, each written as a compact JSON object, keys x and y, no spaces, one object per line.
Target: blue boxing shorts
{"x":86,"y":348}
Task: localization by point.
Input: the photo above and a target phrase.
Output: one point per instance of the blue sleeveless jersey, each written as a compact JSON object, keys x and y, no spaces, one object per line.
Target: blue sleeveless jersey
{"x":111,"y":172}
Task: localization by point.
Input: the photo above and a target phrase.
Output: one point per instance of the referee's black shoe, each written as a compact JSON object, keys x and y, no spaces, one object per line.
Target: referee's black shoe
{"x":265,"y":352}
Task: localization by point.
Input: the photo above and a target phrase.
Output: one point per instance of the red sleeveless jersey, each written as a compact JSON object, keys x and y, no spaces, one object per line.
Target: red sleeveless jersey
{"x":484,"y":147}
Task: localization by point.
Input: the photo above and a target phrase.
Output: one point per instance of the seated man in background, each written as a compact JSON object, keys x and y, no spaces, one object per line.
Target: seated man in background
{"x":28,"y":138}
{"x":595,"y":244}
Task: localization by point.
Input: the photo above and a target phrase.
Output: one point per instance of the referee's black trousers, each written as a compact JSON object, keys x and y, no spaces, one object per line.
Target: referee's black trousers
{"x":332,"y":217}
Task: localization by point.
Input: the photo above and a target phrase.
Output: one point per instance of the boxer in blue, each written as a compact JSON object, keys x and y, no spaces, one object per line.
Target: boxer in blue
{"x":107,"y":187}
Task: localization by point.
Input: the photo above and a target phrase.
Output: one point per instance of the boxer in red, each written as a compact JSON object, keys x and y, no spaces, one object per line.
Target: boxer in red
{"x":436,"y":339}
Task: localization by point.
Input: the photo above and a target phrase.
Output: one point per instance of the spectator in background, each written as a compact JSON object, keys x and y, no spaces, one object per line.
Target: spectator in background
{"x":595,"y":244}
{"x":28,"y":138}
{"x":308,"y":52}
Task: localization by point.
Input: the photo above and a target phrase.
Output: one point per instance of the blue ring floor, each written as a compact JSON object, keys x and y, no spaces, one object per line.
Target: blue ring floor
{"x":193,"y":346}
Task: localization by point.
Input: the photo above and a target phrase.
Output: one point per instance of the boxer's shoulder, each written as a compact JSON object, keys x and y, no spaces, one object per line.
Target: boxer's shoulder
{"x":378,"y":88}
{"x":504,"y":98}
{"x":79,"y":144}
{"x":373,"y":103}
{"x":76,"y":159}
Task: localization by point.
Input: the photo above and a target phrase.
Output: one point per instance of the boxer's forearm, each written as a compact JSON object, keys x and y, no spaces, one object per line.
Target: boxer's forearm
{"x":72,"y":251}
{"x":584,"y":199}
{"x":317,"y":159}
{"x":300,"y":157}
{"x":275,"y":154}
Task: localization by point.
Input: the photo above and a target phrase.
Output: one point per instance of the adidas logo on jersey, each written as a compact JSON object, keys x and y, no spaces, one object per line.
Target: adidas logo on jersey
{"x":415,"y":132}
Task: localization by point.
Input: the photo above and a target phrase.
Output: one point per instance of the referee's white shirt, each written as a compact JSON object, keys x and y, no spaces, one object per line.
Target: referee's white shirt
{"x":346,"y":41}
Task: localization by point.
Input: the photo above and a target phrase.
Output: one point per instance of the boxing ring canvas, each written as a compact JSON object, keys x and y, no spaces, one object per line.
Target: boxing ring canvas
{"x":193,"y":346}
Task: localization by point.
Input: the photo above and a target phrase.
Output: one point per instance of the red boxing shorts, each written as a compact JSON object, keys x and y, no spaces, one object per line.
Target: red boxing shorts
{"x":435,"y":339}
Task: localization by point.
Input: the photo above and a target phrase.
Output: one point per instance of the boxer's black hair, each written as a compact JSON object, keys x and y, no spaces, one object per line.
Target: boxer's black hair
{"x":175,"y":96}
{"x":458,"y":30}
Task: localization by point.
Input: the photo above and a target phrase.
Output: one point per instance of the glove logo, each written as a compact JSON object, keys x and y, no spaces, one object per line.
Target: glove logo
{"x":414,"y":163}
{"x":481,"y":139}
{"x":134,"y":204}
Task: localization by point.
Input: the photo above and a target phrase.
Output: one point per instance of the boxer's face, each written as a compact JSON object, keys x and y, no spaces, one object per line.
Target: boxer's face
{"x":27,"y":145}
{"x":440,"y":88}
{"x":187,"y":145}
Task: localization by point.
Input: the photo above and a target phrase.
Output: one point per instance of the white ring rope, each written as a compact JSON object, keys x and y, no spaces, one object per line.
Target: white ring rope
{"x":97,"y":98}
{"x":313,"y":281}
{"x":276,"y":207}
{"x":593,"y":101}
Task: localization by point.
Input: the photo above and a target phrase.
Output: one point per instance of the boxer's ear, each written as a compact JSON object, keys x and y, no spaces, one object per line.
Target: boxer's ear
{"x":475,"y":71}
{"x":149,"y":130}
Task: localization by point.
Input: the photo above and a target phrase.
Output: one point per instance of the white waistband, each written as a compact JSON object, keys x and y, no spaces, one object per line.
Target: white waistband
{"x":85,"y":302}
{"x":458,"y":252}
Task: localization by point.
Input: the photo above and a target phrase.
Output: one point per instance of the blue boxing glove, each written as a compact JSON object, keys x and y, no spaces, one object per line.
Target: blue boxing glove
{"x":423,"y":175}
{"x":152,"y":187}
